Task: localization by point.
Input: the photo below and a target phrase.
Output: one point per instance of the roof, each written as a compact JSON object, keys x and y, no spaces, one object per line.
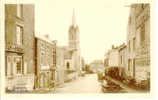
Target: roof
{"x":41,"y":37}
{"x":121,"y":47}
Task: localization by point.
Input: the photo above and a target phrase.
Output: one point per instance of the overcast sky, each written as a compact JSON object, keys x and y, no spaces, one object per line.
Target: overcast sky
{"x":102,"y":23}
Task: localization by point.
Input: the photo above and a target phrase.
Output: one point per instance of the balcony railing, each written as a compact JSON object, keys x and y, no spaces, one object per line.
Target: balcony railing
{"x":14,"y":47}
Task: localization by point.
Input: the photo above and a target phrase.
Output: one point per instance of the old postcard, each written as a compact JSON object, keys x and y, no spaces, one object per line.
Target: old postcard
{"x":100,"y":47}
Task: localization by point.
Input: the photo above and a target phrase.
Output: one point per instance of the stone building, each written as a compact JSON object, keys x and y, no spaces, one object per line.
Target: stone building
{"x":113,"y":57}
{"x":74,"y":44}
{"x":44,"y":61}
{"x":116,"y":57}
{"x":72,"y":53}
{"x":19,"y":48}
{"x":106,"y":58}
{"x":138,"y":42}
{"x":97,"y":66}
{"x":123,"y":59}
{"x":60,"y":65}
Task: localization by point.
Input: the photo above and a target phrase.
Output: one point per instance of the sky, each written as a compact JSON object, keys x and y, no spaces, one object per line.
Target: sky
{"x":102,"y":23}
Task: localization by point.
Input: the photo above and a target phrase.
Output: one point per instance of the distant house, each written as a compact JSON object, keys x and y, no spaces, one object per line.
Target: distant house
{"x":117,"y":57}
{"x":113,"y":57}
{"x":97,"y":66}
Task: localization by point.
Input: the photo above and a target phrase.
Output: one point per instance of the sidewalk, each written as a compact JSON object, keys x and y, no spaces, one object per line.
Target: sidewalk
{"x":125,"y":86}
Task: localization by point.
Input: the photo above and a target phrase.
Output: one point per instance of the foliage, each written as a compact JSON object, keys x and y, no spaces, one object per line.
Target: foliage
{"x":114,"y":73}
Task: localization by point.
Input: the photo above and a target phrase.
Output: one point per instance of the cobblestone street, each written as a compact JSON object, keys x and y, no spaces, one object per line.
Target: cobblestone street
{"x":87,"y":84}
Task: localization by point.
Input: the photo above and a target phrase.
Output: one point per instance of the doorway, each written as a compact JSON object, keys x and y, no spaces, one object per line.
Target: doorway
{"x":134,"y":68}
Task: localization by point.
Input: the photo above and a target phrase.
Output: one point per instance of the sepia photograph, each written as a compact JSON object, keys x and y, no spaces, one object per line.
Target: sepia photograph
{"x":77,"y":47}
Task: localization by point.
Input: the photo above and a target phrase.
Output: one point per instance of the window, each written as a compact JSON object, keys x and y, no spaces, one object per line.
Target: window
{"x":72,"y":37}
{"x":129,"y":46}
{"x":68,"y":65}
{"x":134,"y":67}
{"x":134,"y":44}
{"x":18,"y":65}
{"x":128,"y":64}
{"x":121,"y":58}
{"x":142,"y":33}
{"x":19,"y":10}
{"x":142,"y":6}
{"x":19,"y":32}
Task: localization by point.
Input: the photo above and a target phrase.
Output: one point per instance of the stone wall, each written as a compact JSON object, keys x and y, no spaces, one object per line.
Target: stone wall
{"x":28,"y":14}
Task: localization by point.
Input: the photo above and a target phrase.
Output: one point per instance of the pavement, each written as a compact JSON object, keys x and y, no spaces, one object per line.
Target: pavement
{"x":87,"y":84}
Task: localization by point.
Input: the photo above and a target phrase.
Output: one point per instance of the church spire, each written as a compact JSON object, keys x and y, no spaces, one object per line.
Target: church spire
{"x":73,"y":18}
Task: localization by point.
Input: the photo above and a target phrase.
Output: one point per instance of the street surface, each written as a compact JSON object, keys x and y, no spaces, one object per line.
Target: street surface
{"x":87,"y":84}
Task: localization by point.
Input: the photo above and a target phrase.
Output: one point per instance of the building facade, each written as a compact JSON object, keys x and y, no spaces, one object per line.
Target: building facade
{"x":44,"y":61}
{"x":113,"y":57}
{"x":123,"y":59}
{"x":117,"y":58}
{"x":60,"y":65}
{"x":19,"y":49}
{"x":138,"y":42}
{"x":72,"y":52}
{"x":74,"y":44}
{"x":106,"y":59}
{"x":97,"y":66}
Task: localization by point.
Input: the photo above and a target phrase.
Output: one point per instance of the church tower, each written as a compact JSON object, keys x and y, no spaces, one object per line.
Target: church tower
{"x":74,"y":43}
{"x":74,"y":34}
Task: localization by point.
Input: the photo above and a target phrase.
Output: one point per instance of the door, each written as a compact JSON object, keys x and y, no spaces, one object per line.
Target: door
{"x":14,"y":65}
{"x":134,"y":68}
{"x":18,"y":65}
{"x":9,"y":67}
